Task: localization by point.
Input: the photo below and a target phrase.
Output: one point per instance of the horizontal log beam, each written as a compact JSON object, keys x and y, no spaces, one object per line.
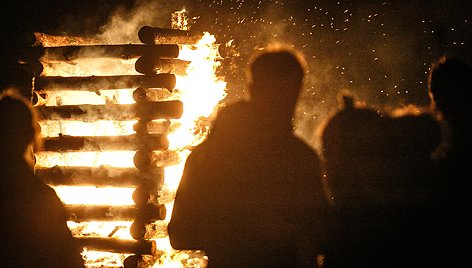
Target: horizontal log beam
{"x":95,"y":83}
{"x":147,"y":214}
{"x":142,"y":247}
{"x":65,"y":143}
{"x":140,"y":95}
{"x":156,"y":35}
{"x":50,"y":40}
{"x":71,"y":53}
{"x":81,"y":213}
{"x":98,"y":176}
{"x":153,"y":65}
{"x":145,"y":111}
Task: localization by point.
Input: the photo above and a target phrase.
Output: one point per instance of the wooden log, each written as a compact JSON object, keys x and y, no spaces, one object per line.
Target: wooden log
{"x":143,"y":247}
{"x":147,"y":214}
{"x":156,"y":35}
{"x":71,"y":53}
{"x":95,"y":83}
{"x":98,"y":176}
{"x":141,"y":94}
{"x":145,"y":160}
{"x":39,"y":98}
{"x":154,"y":65}
{"x":156,"y":127}
{"x":50,"y":40}
{"x":144,"y":111}
{"x":81,"y":213}
{"x":65,"y":143}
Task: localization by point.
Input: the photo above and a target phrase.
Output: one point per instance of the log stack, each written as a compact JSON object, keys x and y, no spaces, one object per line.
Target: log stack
{"x":157,"y":64}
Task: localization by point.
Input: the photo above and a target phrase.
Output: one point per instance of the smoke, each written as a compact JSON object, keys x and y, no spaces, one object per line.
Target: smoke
{"x":381,"y":51}
{"x":123,"y":24}
{"x":113,"y":22}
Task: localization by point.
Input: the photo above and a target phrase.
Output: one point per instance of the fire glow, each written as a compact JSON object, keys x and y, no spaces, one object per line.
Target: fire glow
{"x":200,"y":91}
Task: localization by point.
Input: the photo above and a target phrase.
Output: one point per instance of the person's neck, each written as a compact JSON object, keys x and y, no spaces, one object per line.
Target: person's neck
{"x":265,"y":110}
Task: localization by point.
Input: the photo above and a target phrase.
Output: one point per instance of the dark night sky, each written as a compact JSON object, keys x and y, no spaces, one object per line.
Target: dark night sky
{"x":380,"y":50}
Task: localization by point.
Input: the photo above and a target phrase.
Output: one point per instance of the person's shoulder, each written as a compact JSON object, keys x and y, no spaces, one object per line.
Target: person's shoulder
{"x":233,"y":107}
{"x":303,"y":146}
{"x":46,"y":193}
{"x":233,"y":110}
{"x":48,"y":190}
{"x":305,"y":155}
{"x":227,"y":118}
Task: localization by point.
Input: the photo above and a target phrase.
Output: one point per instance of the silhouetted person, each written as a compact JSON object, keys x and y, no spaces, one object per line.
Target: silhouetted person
{"x":33,"y":223}
{"x":382,"y":177}
{"x":251,"y":195}
{"x":450,"y":89}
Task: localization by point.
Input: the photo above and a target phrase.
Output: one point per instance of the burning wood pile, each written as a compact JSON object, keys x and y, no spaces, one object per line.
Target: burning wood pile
{"x":118,"y":121}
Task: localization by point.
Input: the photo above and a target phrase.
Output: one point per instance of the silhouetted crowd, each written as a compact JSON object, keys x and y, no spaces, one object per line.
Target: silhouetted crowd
{"x":387,"y":188}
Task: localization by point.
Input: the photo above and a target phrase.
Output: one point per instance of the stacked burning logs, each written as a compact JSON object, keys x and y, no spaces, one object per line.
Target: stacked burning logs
{"x":157,"y":63}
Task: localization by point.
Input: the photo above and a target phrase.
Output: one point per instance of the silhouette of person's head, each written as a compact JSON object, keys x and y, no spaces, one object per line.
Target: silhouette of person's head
{"x":416,"y":132}
{"x":352,"y":139}
{"x":415,"y":139}
{"x":376,"y":157}
{"x":450,"y":88}
{"x":18,"y":124}
{"x":276,"y":77}
{"x":18,"y":77}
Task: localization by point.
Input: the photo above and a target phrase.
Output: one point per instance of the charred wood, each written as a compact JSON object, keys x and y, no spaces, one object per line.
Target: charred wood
{"x":71,"y":53}
{"x":145,"y":111}
{"x":50,"y":40}
{"x":132,"y":142}
{"x":150,"y":94}
{"x":144,"y":247}
{"x":147,"y":214}
{"x":80,"y":213}
{"x":95,"y":83}
{"x":141,"y":195}
{"x":145,"y":160}
{"x":155,"y":127}
{"x":157,"y":229}
{"x":156,"y":35}
{"x":154,"y":65}
{"x":151,"y":213}
{"x":138,"y":230}
{"x":39,"y":98}
{"x":98,"y":176}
